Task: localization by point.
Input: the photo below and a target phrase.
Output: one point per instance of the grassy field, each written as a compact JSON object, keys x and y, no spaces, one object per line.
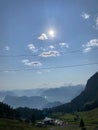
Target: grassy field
{"x":90,"y":119}
{"x":6,"y":124}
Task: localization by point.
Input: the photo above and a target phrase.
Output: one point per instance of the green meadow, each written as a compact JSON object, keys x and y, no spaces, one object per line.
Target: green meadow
{"x":90,"y":119}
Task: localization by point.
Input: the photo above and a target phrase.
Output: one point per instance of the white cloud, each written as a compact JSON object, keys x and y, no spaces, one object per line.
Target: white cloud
{"x":31,"y":47}
{"x":89,"y":45}
{"x":43,"y":36}
{"x":50,"y":54}
{"x":92,"y":43}
{"x":51,"y":47}
{"x":64,"y":45}
{"x":34,"y":63}
{"x":7,"y":48}
{"x":25,"y":61}
{"x":85,"y":15}
{"x":85,"y":50}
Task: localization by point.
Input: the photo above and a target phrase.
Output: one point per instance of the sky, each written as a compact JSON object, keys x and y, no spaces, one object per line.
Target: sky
{"x":47,"y":43}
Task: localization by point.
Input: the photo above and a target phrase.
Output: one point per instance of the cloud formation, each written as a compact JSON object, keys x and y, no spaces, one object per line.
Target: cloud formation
{"x":85,"y":50}
{"x":31,"y":64}
{"x":64,"y":45}
{"x":6,"y":48}
{"x":85,"y":15}
{"x":43,"y":36}
{"x":50,"y":54}
{"x":89,"y":45}
{"x":31,"y":47}
{"x":51,"y":47}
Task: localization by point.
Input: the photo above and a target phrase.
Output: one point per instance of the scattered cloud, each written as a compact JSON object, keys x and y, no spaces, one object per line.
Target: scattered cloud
{"x":51,"y":47}
{"x":85,"y":50}
{"x":89,"y":45}
{"x":43,"y":36}
{"x":85,"y":15}
{"x":96,"y":23}
{"x":6,"y":48}
{"x":92,"y":43}
{"x":34,"y":63}
{"x":31,"y":47}
{"x":50,"y":54}
{"x":64,"y":45}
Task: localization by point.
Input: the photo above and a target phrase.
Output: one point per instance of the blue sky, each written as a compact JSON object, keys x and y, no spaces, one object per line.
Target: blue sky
{"x":39,"y":36}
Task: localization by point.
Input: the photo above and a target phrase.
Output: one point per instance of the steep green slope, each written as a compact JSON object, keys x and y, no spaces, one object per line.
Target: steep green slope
{"x":87,"y":100}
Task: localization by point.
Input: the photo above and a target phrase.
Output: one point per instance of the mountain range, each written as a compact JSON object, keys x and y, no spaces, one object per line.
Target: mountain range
{"x":86,"y":100}
{"x":41,"y":98}
{"x":30,"y":102}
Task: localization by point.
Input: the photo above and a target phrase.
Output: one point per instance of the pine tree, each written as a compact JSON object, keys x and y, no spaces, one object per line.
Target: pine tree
{"x":82,"y":125}
{"x":33,"y":120}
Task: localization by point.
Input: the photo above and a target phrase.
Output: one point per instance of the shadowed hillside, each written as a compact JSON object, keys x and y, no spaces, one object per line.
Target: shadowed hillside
{"x":87,"y":100}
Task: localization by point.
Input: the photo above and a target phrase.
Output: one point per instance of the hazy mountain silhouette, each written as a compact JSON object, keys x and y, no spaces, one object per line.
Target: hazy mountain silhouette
{"x":61,"y":94}
{"x":30,"y":102}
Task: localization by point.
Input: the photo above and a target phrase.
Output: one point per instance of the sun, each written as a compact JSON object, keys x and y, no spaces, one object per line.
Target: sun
{"x":51,"y":33}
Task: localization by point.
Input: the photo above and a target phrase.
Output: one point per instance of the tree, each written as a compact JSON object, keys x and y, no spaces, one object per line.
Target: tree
{"x":82,"y":125}
{"x":33,"y":120}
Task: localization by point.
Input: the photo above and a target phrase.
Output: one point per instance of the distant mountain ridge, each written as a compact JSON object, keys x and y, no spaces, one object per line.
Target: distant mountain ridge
{"x":41,"y":98}
{"x":61,"y":94}
{"x":30,"y":102}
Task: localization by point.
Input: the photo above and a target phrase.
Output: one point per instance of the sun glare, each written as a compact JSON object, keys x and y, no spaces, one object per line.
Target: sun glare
{"x":51,"y":33}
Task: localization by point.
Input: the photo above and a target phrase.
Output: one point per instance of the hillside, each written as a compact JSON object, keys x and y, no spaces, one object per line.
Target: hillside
{"x":90,"y":119}
{"x":7,"y":112}
{"x":88,"y":99}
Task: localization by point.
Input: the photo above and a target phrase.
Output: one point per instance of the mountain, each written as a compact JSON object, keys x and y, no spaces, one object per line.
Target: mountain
{"x":62,"y":94}
{"x":30,"y":102}
{"x":29,"y":92}
{"x":20,"y":93}
{"x":88,"y":99}
{"x":4,"y":93}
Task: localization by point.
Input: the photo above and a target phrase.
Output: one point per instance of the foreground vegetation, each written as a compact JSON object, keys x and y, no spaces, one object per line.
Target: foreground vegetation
{"x":90,"y":119}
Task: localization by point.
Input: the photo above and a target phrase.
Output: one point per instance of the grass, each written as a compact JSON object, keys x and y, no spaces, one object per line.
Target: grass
{"x":90,"y":119}
{"x":7,"y":124}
